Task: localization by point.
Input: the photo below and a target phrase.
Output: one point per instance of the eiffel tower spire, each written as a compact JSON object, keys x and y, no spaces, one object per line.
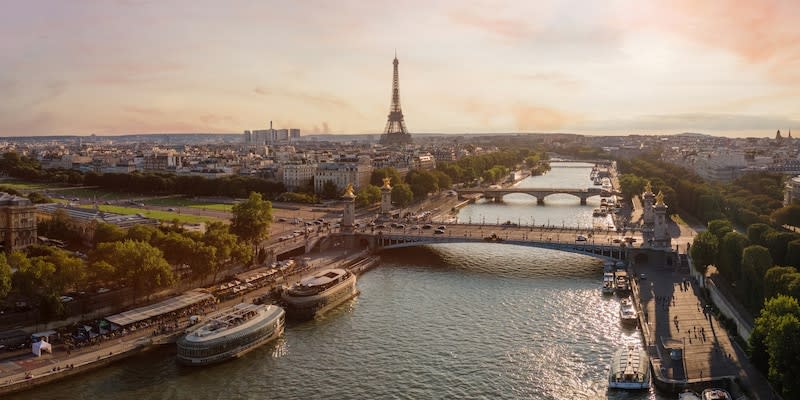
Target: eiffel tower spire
{"x":395,"y":132}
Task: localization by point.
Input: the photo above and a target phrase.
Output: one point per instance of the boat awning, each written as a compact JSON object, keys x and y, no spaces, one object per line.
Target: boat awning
{"x":142,"y":313}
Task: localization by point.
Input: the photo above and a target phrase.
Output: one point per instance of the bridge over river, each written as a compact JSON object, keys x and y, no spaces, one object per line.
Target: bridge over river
{"x":603,"y":244}
{"x":538,"y":193}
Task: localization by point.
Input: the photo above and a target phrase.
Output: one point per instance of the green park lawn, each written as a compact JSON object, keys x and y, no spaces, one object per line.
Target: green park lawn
{"x":166,"y":216}
{"x":188,"y":202}
{"x":24,"y":186}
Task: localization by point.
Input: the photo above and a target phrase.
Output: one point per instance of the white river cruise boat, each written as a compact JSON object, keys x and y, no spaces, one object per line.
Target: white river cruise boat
{"x":608,"y":283}
{"x":231,"y":333}
{"x":630,"y":369}
{"x":319,"y":293}
{"x":627,"y":312}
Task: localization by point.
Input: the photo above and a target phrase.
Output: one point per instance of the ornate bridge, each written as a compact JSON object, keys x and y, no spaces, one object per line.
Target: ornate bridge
{"x":603,"y":251}
{"x":538,"y":193}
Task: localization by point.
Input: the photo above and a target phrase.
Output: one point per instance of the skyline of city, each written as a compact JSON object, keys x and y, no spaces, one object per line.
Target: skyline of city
{"x":558,"y":66}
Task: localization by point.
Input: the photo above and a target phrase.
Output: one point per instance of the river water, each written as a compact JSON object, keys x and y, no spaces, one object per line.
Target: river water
{"x":558,"y":210}
{"x":456,"y":321}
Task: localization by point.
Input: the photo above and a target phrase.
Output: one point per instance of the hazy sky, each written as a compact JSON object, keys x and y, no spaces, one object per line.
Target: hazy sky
{"x":614,"y":66}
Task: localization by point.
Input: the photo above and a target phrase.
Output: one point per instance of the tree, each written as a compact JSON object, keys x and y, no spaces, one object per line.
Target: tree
{"x":704,"y":250}
{"x":330,"y":191}
{"x":782,"y":280}
{"x":376,"y":178}
{"x":107,"y":233}
{"x":789,"y":215}
{"x":136,"y":263}
{"x":402,"y":195}
{"x":775,"y":344}
{"x":368,"y":196}
{"x":251,"y":219}
{"x":756,"y":260}
{"x":755,"y":233}
{"x":730,"y":255}
{"x":720,"y":228}
{"x":144,"y":233}
{"x":421,"y":183}
{"x":5,"y":276}
{"x":793,"y":253}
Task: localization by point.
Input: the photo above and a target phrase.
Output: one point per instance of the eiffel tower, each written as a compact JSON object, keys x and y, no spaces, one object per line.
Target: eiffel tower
{"x":395,"y":132}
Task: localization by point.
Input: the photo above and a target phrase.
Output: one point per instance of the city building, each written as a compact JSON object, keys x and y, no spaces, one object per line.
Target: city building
{"x":298,"y":174}
{"x":345,"y":172}
{"x":17,"y":222}
{"x":791,"y":192}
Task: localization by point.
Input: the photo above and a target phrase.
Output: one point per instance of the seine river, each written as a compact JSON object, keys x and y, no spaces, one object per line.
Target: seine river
{"x":469,"y":321}
{"x":559,"y":209}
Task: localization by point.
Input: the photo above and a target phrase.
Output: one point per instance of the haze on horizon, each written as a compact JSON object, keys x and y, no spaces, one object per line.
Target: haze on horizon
{"x":621,"y":67}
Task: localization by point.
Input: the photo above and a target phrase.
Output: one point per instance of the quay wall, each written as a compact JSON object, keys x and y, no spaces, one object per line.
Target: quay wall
{"x":78,"y":368}
{"x":743,"y":327}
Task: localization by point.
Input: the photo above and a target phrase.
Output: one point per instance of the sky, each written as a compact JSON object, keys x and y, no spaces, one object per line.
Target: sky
{"x":721,"y":67}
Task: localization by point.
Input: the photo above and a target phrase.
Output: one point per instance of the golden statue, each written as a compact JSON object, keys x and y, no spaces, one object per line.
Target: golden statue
{"x":348,"y":192}
{"x":660,"y":199}
{"x":648,"y":188}
{"x":386,"y":182}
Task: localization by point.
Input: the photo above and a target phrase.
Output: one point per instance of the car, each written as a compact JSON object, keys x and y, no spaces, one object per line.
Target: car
{"x":103,"y":290}
{"x":438,"y":232}
{"x":427,"y":226}
{"x":442,"y":227}
{"x":617,"y":240}
{"x":414,"y":228}
{"x":66,"y":299}
{"x":642,"y":276}
{"x":170,"y":209}
{"x":580,"y":238}
{"x":381,"y":226}
{"x":393,"y":224}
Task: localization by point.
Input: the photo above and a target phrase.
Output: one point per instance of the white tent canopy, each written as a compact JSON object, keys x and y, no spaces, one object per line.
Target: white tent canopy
{"x":42,"y":345}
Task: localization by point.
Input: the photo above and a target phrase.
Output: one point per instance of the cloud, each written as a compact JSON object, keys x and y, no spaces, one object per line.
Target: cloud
{"x":502,"y":27}
{"x":760,"y":32}
{"x":539,"y":118}
{"x":697,"y":122}
{"x":318,"y":100}
{"x":555,"y":78}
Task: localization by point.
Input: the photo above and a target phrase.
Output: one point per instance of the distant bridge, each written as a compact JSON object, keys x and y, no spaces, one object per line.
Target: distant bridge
{"x":604,"y":163}
{"x":538,"y":193}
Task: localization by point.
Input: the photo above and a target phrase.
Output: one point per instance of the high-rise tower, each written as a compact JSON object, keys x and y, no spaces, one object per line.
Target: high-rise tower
{"x":395,"y":132}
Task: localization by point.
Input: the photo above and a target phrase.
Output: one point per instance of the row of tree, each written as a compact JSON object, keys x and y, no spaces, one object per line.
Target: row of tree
{"x":749,"y":199}
{"x":27,"y":168}
{"x":761,"y":268}
{"x":490,"y":166}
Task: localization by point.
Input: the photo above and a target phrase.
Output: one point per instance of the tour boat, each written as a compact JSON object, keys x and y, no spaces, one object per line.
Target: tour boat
{"x":716,"y":394}
{"x":608,"y":283}
{"x":627,"y":313}
{"x":630,"y":369}
{"x":319,"y":293}
{"x":231,"y":333}
{"x":621,"y":284}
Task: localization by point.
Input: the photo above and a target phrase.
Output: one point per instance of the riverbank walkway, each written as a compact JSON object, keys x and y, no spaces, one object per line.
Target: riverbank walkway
{"x":27,"y":371}
{"x":687,"y":344}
